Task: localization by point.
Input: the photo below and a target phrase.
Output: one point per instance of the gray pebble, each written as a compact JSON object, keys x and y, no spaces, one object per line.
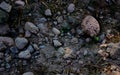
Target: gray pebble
{"x":42,"y":20}
{"x":29,"y":26}
{"x":24,"y":54}
{"x":60,"y":19}
{"x":56,"y":43}
{"x":71,"y":8}
{"x":7,"y":41}
{"x":48,"y":12}
{"x":30,"y":48}
{"x":56,"y":31}
{"x":21,"y":42}
{"x":35,"y":46}
{"x":19,"y":2}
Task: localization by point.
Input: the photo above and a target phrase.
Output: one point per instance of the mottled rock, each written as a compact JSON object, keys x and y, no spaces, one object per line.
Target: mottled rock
{"x":56,"y":31}
{"x":71,"y":8}
{"x":21,"y":42}
{"x":28,"y":73}
{"x":48,"y":12}
{"x":24,"y":54}
{"x":7,"y":41}
{"x":90,"y":26}
{"x":31,"y":27}
{"x":5,"y":6}
{"x":19,"y":2}
{"x":56,"y":43}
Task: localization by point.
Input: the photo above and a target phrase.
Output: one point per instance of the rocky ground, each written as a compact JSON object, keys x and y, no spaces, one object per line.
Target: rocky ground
{"x":59,"y":37}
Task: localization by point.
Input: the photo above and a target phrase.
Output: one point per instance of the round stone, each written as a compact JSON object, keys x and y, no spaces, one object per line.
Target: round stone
{"x":90,"y":25}
{"x":21,"y":42}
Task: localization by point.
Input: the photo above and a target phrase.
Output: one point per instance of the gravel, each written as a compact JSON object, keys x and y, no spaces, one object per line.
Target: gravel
{"x":56,"y":31}
{"x":5,"y":6}
{"x":2,"y":46}
{"x":4,"y":29}
{"x":48,"y":12}
{"x":7,"y":41}
{"x":56,"y":43}
{"x":21,"y":42}
{"x":71,"y":8}
{"x":28,"y":73}
{"x":24,"y":54}
{"x":19,"y":2}
{"x":29,"y":26}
